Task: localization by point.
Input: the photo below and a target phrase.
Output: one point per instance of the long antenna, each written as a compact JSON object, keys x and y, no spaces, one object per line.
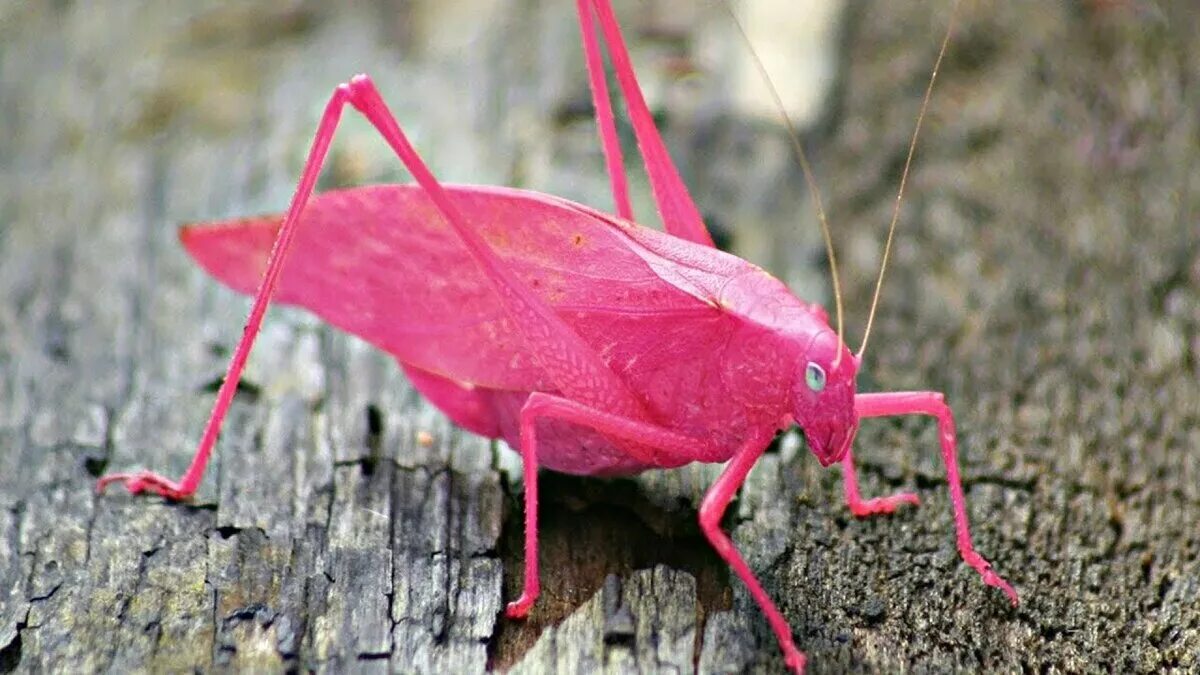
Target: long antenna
{"x":912,"y":150}
{"x":804,"y":166}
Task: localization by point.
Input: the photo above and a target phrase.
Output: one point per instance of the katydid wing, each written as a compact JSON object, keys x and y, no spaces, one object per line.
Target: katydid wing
{"x":589,"y":343}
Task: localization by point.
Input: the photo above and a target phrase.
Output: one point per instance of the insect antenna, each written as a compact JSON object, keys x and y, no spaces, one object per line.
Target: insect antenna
{"x":798,"y":147}
{"x":912,"y":149}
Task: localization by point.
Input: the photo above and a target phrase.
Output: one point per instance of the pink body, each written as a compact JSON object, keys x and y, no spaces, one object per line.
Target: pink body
{"x":704,"y":340}
{"x":591,"y":344}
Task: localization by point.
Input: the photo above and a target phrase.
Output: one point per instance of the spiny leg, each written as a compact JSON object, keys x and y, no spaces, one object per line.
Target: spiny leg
{"x":679,"y":213}
{"x":532,"y":583}
{"x":141,"y":481}
{"x":602,"y":102}
{"x":934,"y":405}
{"x":675,"y":449}
{"x":711,"y":509}
{"x":861,"y":508}
{"x":576,"y":367}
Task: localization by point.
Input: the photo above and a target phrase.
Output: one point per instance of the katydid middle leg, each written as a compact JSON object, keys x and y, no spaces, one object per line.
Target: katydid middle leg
{"x":653,"y":445}
{"x":716,"y":500}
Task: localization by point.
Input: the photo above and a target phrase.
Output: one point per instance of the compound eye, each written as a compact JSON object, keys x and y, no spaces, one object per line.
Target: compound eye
{"x":814,"y":377}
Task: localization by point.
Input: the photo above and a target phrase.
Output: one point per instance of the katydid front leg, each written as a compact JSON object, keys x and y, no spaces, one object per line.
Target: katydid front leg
{"x":656,"y":447}
{"x":862,"y":508}
{"x":933,"y":404}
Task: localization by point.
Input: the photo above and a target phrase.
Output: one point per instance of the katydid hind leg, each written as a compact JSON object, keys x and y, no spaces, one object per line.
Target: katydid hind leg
{"x":577,"y":370}
{"x":659,"y":445}
{"x":563,"y":353}
{"x":712,"y":508}
{"x":861,"y":508}
{"x":145,"y":481}
{"x":933,"y":404}
{"x":679,"y":213}
{"x":602,"y":103}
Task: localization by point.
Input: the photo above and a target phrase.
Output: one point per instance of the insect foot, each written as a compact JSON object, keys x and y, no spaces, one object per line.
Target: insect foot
{"x":145,"y":481}
{"x":882,"y":505}
{"x":862,"y":508}
{"x":794,"y":660}
{"x":519,"y":608}
{"x":989,"y":576}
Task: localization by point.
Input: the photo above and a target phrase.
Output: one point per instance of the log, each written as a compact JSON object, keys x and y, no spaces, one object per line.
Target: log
{"x":1044,"y":277}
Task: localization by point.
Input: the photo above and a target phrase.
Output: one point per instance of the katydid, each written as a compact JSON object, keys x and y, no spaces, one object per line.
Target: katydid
{"x":589,"y":343}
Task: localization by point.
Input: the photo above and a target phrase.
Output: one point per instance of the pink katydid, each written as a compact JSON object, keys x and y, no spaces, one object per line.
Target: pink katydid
{"x":558,"y":327}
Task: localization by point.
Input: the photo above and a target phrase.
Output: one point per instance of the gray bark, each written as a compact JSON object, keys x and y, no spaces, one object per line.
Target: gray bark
{"x":1044,"y":277}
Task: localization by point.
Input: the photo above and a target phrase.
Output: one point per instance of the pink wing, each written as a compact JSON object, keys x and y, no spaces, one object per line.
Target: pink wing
{"x":380,"y":262}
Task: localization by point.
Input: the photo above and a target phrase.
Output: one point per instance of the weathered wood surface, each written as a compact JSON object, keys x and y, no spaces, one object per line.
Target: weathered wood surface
{"x":1046,"y":277}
